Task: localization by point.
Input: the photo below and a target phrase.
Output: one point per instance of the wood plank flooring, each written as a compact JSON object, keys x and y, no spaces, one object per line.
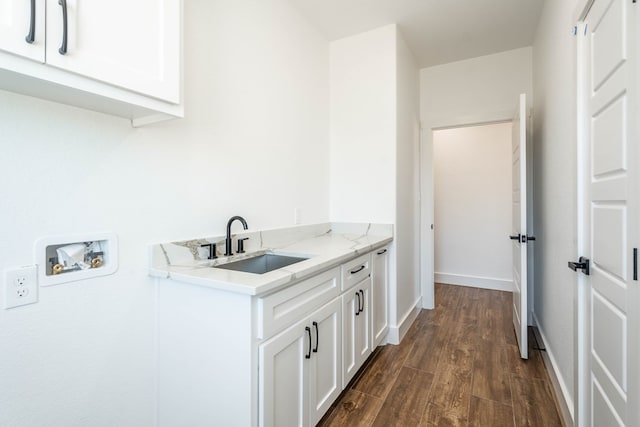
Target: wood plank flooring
{"x":459,"y":365}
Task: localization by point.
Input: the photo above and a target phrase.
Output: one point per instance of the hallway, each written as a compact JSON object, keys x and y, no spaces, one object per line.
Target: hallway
{"x":458,"y":365}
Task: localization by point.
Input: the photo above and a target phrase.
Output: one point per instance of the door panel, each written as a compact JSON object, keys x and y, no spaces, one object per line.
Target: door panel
{"x":608,"y":41}
{"x":609,"y":334}
{"x":609,"y":239}
{"x":519,"y":224}
{"x":609,"y":156}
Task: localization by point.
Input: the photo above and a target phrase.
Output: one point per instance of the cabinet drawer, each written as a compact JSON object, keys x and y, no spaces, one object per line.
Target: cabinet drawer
{"x":355,"y":270}
{"x":282,"y":309}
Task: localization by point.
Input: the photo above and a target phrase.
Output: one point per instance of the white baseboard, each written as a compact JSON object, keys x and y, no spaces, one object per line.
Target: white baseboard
{"x":397,"y":333}
{"x":474,"y":281}
{"x":558,"y":382}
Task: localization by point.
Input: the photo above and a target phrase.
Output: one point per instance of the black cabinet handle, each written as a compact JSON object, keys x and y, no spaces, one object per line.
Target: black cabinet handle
{"x":32,"y":24}
{"x":358,"y":307}
{"x":308,"y":329}
{"x":582,"y":264}
{"x":635,"y":263}
{"x":515,"y":237}
{"x":63,"y":47}
{"x":315,"y":325}
{"x":362,"y":295}
{"x":384,"y":251}
{"x":357,"y":269}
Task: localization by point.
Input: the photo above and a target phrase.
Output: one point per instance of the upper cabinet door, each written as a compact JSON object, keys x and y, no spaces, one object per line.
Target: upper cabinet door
{"x":131,"y":44}
{"x":22,"y":25}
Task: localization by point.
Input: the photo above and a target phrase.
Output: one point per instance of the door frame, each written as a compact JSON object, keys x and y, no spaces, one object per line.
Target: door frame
{"x":581,"y":294}
{"x":427,"y":248}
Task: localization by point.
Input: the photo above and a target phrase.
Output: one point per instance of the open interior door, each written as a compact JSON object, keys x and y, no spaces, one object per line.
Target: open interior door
{"x":519,"y":224}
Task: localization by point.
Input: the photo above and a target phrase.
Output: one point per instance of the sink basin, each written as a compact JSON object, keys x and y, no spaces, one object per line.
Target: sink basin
{"x":262,"y":263}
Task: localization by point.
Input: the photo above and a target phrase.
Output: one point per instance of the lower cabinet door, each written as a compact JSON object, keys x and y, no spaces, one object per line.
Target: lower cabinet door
{"x":283,"y":378}
{"x":380,"y":310}
{"x":364,"y":345}
{"x":325,"y":376}
{"x":350,"y":314}
{"x":356,"y":330}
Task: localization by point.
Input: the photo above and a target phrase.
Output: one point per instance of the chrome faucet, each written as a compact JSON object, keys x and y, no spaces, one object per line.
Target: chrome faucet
{"x":227,"y":243}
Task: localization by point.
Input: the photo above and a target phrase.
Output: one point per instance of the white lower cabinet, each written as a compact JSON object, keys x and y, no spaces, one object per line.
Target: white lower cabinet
{"x":356,"y":328}
{"x":276,"y":360}
{"x":300,"y":369}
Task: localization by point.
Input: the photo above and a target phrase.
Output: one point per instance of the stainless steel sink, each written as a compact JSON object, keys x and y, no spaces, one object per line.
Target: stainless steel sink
{"x":262,"y":263}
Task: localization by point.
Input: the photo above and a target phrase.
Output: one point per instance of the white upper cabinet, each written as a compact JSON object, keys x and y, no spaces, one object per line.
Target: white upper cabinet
{"x":22,"y":28}
{"x":118,"y":57}
{"x":131,"y":44}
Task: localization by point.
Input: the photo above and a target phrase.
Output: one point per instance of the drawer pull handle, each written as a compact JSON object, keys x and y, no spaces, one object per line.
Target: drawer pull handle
{"x":315,"y":325}
{"x":358,"y":306}
{"x":63,"y":48}
{"x":308,"y":355}
{"x":32,"y":24}
{"x":384,"y":251}
{"x":362,"y":299}
{"x":357,"y":269}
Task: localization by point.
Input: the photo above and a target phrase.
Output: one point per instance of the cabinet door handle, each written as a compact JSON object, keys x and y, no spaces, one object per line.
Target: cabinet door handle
{"x":32,"y":24}
{"x":315,"y":325}
{"x":384,"y":251}
{"x":308,"y":329}
{"x":362,"y":299}
{"x":358,"y":307}
{"x":63,"y":47}
{"x":357,"y":269}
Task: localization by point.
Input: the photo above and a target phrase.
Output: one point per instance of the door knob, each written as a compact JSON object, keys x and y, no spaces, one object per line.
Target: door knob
{"x":582,"y":264}
{"x":517,"y":237}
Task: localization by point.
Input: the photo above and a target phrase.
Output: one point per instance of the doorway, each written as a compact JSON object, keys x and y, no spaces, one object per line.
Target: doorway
{"x":472,"y":169}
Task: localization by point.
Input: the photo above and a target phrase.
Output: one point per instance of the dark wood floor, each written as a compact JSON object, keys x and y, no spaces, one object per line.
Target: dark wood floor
{"x":458,"y":365}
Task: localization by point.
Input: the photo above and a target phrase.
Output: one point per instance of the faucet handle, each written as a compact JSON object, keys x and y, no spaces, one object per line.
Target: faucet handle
{"x":212,"y":250}
{"x":241,"y":245}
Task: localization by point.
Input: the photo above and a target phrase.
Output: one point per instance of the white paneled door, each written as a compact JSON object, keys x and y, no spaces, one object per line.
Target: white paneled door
{"x":609,"y":216}
{"x":519,"y":224}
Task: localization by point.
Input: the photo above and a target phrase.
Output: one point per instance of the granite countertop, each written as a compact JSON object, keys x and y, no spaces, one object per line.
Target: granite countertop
{"x":327,"y":245}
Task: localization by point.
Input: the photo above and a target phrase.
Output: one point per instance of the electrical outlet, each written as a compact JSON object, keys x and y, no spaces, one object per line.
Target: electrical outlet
{"x":20,"y":286}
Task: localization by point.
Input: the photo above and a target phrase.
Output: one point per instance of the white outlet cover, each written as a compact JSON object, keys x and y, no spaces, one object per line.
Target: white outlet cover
{"x":20,"y":286}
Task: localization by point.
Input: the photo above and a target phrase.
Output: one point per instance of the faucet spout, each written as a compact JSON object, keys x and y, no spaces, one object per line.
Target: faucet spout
{"x":227,"y":243}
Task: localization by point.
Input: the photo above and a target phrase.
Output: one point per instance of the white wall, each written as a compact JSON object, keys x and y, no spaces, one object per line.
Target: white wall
{"x":374,"y":106}
{"x":363,"y":127}
{"x":474,"y":91}
{"x":555,"y":186}
{"x":472,"y":177}
{"x":254,"y":143}
{"x":407,"y":185}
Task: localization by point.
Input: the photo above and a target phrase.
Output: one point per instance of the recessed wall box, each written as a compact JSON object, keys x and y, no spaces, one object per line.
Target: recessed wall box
{"x":64,"y":259}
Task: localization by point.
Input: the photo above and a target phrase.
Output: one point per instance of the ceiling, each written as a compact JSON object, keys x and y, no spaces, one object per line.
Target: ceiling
{"x":437,"y":31}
